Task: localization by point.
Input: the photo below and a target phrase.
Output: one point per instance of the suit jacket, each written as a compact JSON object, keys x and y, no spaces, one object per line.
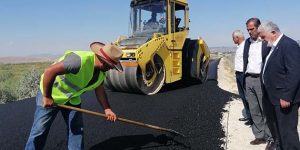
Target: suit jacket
{"x":282,"y":72}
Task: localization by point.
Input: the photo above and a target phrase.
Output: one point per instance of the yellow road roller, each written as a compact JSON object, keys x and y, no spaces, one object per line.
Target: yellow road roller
{"x":157,"y":51}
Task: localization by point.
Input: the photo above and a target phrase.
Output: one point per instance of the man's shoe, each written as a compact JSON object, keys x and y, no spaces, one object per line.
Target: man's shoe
{"x":243,"y":119}
{"x":258,"y":141}
{"x":249,"y":123}
{"x":271,"y":146}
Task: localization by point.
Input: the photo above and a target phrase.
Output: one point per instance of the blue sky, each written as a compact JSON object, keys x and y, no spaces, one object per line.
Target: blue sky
{"x":31,"y":27}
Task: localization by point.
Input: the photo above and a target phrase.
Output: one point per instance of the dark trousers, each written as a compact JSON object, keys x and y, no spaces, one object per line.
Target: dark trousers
{"x":283,"y":124}
{"x":240,"y":84}
{"x":269,"y":111}
{"x":287,"y":121}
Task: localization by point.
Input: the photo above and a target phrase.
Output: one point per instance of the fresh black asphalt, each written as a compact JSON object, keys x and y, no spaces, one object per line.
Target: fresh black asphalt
{"x":190,"y":108}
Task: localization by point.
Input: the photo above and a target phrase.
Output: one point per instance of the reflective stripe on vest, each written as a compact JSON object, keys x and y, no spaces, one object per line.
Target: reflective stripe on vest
{"x":70,"y":84}
{"x":69,"y":87}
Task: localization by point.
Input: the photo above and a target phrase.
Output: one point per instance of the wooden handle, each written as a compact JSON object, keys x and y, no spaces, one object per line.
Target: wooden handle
{"x":120,"y":119}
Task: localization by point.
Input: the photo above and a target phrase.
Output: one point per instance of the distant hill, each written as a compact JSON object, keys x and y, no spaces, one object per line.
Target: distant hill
{"x":222,"y":49}
{"x":298,"y":42}
{"x":27,"y":59}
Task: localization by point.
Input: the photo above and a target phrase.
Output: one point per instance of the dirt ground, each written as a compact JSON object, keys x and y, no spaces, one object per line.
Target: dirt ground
{"x":237,"y":135}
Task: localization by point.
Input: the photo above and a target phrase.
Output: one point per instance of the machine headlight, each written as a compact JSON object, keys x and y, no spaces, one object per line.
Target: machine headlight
{"x":130,"y":55}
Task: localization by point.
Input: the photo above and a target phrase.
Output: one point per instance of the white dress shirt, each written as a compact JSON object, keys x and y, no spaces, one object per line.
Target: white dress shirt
{"x":271,"y":51}
{"x":238,"y":59}
{"x":255,"y":57}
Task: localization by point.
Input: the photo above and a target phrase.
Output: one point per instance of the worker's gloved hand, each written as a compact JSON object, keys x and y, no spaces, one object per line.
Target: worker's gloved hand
{"x":111,"y":116}
{"x":47,"y":102}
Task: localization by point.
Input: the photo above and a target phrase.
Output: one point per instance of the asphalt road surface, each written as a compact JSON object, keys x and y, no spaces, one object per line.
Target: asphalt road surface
{"x":190,"y":108}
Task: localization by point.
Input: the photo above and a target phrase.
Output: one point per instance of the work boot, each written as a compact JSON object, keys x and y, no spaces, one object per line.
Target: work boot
{"x":271,"y":145}
{"x":257,"y":141}
{"x":243,"y":119}
{"x":249,"y":122}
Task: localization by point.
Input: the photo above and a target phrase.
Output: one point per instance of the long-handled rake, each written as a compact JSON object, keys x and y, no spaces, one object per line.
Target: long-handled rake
{"x":121,"y":119}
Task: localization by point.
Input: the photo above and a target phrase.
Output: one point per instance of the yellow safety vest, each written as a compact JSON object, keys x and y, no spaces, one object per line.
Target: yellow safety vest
{"x":69,"y":87}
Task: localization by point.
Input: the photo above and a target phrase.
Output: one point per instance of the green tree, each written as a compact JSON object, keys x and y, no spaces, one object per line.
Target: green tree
{"x":5,"y":96}
{"x":29,"y":84}
{"x":5,"y":76}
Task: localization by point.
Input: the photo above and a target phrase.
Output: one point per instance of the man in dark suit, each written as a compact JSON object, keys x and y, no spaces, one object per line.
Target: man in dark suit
{"x":281,"y":83}
{"x":252,"y":58}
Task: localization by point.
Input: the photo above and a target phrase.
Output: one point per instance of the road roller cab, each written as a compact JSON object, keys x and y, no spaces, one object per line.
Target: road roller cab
{"x":158,"y":52}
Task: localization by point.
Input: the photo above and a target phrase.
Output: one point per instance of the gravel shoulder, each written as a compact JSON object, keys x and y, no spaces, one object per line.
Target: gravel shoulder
{"x":237,"y":135}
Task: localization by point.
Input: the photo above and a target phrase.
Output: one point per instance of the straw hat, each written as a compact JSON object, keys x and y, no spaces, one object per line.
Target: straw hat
{"x":109,"y":53}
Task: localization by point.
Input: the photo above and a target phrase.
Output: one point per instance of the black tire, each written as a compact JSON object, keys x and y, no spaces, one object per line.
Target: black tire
{"x":203,"y":69}
{"x":159,"y":81}
{"x":203,"y":72}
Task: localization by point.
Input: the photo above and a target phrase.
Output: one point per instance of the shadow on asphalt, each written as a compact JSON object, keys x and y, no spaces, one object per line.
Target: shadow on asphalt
{"x":178,"y":85}
{"x":138,"y":142}
{"x":212,"y":74}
